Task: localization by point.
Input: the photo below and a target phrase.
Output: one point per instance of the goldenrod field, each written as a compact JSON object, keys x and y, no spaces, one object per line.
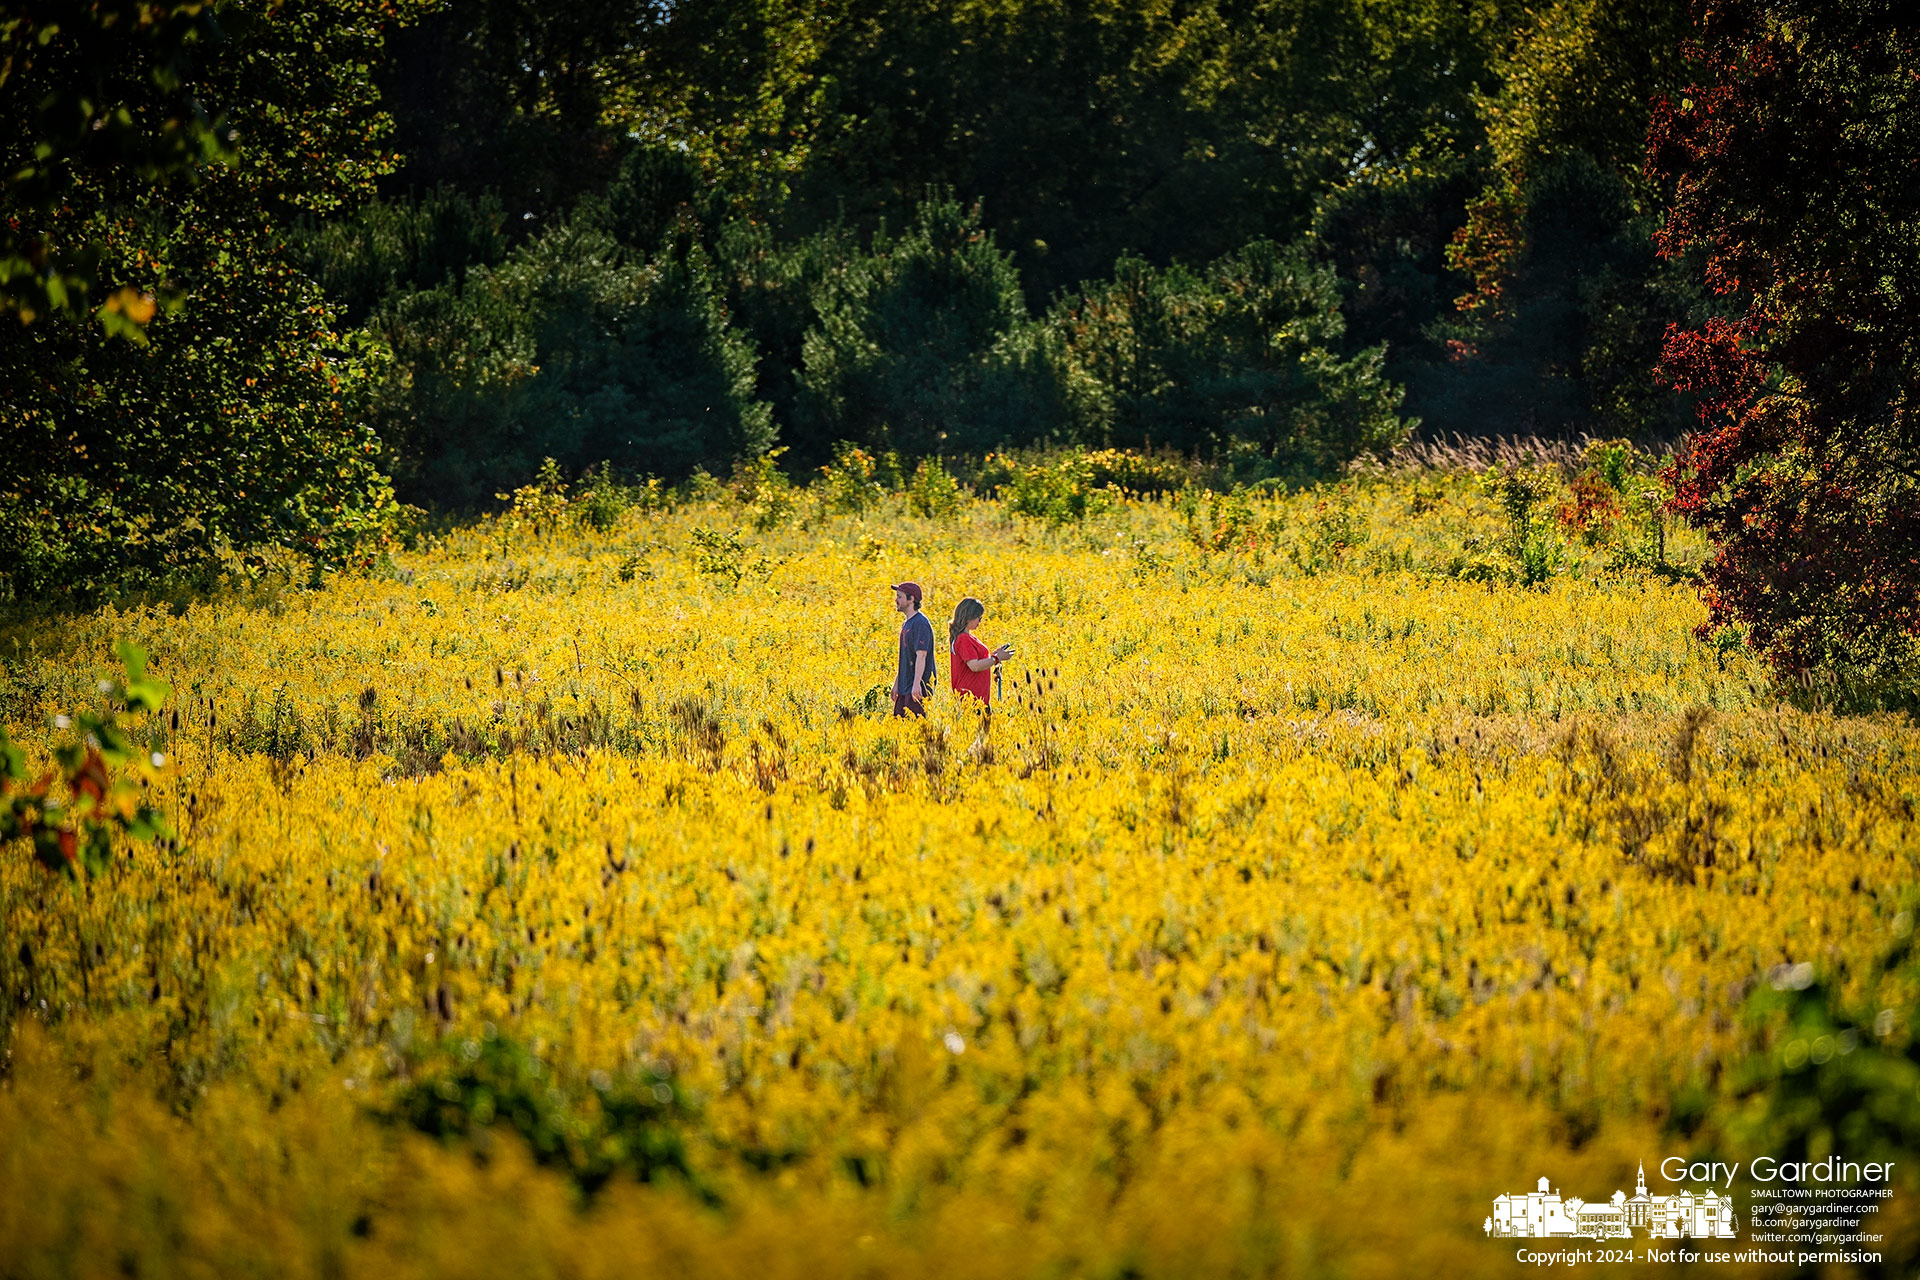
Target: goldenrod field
{"x":1298,"y":899}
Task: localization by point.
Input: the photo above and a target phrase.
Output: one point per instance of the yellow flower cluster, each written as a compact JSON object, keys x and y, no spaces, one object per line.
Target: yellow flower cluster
{"x":1286,"y":909}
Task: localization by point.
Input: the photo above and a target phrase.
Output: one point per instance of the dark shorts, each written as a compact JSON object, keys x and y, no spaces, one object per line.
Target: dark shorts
{"x":903,"y":704}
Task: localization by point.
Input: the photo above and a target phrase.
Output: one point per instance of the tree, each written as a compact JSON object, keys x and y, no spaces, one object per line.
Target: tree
{"x":1175,"y":131}
{"x":94,"y":95}
{"x":1793,"y":171}
{"x":1566,"y":301}
{"x":1564,"y":335}
{"x":773,"y":290}
{"x":922,"y":345}
{"x":1386,"y":235}
{"x":385,"y":249}
{"x":240,"y":424}
{"x":573,"y":347}
{"x":1244,"y":350}
{"x":508,"y":97}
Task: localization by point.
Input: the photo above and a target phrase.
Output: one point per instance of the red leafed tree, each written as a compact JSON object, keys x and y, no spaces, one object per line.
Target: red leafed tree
{"x":1795,"y":174}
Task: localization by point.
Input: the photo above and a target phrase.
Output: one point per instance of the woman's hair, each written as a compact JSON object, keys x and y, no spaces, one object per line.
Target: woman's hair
{"x":966,"y":611}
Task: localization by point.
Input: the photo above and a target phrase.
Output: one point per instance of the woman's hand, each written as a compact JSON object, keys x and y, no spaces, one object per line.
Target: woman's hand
{"x":1004,"y":652}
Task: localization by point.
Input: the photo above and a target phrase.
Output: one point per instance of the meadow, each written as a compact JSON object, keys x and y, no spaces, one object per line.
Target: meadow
{"x":558,"y":900}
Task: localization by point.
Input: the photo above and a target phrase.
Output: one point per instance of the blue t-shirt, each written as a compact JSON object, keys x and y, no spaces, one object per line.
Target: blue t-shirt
{"x":916,"y":636}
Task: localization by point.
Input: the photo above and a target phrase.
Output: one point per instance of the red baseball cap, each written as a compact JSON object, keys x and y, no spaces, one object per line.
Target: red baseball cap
{"x":911,"y":588}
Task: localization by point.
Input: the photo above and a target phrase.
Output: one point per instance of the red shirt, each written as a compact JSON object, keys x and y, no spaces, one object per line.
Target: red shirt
{"x":977,"y":683}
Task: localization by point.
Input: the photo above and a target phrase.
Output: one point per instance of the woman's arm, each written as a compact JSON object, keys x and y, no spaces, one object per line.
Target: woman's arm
{"x":981,"y":664}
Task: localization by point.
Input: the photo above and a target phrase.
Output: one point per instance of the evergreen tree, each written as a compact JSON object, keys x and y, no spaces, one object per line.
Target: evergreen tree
{"x":922,"y":345}
{"x":1243,"y":350}
{"x":573,"y":347}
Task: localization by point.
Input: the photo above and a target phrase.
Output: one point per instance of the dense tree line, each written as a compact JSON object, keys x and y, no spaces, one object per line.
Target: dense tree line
{"x":266,"y":257}
{"x":950,"y":227}
{"x":667,"y":236}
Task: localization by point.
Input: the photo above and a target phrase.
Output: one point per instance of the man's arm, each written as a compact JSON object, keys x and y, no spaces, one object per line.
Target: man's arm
{"x":919,"y":669}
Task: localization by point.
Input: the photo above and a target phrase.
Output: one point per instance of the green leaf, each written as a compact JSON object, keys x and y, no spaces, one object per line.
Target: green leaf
{"x":13,"y":761}
{"x":145,"y":694}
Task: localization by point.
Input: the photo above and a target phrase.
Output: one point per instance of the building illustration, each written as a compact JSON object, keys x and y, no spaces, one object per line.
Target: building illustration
{"x":1541,"y":1213}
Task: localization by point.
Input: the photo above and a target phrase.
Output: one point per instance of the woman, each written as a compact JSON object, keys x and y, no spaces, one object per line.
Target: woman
{"x":973,"y":662}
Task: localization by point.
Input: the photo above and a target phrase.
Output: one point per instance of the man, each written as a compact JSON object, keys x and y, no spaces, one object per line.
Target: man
{"x":914,"y":680}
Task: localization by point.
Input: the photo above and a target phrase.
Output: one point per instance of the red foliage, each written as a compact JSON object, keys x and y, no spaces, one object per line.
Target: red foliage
{"x":1793,"y":173}
{"x":1713,"y":363}
{"x":1591,"y":508}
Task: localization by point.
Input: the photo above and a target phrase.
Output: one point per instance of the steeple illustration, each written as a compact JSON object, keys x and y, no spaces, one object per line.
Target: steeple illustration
{"x":1544,"y":1213}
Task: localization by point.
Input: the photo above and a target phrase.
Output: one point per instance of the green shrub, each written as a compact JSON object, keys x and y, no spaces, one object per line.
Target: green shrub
{"x":1334,"y":528}
{"x":763,"y":488}
{"x":1615,"y":463}
{"x":106,"y":775}
{"x":850,"y":483}
{"x":1228,"y":522}
{"x":592,"y":1129}
{"x":540,"y":503}
{"x":1136,"y":471}
{"x":1828,"y":1072}
{"x":726,"y":556}
{"x":933,"y":493}
{"x":1522,"y":494}
{"x":600,"y":500}
{"x":1057,"y":491}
